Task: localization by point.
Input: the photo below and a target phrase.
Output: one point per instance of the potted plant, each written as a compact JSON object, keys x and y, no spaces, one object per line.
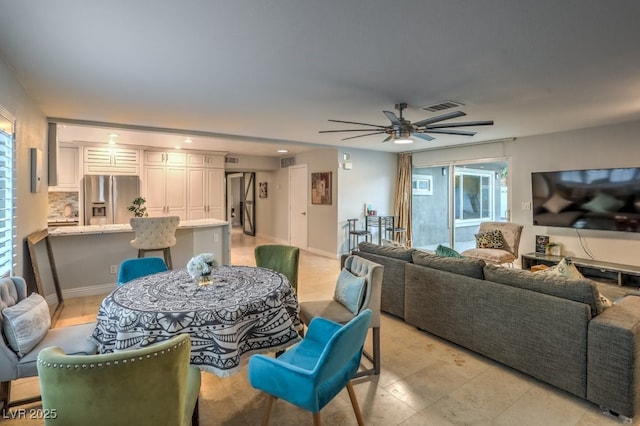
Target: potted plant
{"x":138,"y":208}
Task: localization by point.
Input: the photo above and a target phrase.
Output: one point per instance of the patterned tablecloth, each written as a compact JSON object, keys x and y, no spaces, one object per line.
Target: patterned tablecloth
{"x":245,"y":310}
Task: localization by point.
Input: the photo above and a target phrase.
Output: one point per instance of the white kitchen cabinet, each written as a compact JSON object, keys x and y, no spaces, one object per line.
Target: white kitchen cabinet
{"x":165,"y":190}
{"x":205,"y":193}
{"x":68,"y":170}
{"x":206,"y":161}
{"x":116,"y":161}
{"x":165,"y":158}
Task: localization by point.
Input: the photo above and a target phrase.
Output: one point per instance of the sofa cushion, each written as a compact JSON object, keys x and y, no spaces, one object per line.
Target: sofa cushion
{"x":465,"y":266}
{"x":394,"y":252}
{"x":26,"y":323}
{"x":580,"y":290}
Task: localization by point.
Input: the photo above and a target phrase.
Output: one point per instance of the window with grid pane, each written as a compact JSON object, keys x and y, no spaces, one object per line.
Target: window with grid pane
{"x":7,"y":196}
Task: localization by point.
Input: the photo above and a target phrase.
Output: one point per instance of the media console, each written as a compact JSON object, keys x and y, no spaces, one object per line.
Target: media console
{"x":627,"y":275}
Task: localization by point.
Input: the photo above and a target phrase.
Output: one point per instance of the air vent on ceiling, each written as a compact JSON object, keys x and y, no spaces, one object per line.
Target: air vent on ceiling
{"x":234,"y":160}
{"x":442,"y":106}
{"x":287,"y":162}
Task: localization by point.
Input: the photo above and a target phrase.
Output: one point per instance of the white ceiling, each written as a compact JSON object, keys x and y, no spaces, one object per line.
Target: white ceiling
{"x":255,"y":75}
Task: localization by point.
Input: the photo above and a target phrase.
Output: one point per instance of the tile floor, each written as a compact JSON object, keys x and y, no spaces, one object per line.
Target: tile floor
{"x":424,"y":380}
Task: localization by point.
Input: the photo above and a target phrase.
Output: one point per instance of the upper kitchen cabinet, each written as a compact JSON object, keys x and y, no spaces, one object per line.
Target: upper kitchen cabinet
{"x":165,"y":158}
{"x":68,"y":169}
{"x":206,"y":161}
{"x":112,"y":161}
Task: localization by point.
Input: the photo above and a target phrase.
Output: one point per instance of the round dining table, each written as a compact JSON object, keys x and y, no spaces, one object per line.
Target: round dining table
{"x":245,"y":310}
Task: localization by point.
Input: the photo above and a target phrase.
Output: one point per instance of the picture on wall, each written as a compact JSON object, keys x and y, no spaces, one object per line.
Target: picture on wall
{"x":321,"y":188}
{"x":263,"y":190}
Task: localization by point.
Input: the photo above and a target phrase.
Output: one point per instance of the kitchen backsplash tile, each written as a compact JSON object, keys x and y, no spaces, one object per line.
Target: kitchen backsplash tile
{"x":63,"y":202}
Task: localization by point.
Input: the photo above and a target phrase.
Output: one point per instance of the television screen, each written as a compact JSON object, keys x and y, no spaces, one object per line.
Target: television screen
{"x":607,"y":199}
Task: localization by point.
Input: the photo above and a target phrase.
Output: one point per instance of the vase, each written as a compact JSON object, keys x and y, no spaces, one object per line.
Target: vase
{"x":204,"y":279}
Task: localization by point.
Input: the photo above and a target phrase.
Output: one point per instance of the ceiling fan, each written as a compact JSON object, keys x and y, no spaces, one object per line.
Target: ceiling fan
{"x":400,"y":130}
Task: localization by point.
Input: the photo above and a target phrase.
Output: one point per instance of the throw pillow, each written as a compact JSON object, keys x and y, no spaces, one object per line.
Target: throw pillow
{"x":556,"y":203}
{"x":26,"y":323}
{"x":490,"y":239}
{"x":445,"y":251}
{"x":565,"y":268}
{"x":603,"y":203}
{"x":350,"y":291}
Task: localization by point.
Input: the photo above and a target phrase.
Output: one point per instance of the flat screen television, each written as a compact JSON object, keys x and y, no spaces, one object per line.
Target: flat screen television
{"x":606,"y":199}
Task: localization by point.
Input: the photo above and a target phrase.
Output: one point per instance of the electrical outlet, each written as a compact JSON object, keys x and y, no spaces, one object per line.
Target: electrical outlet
{"x":526,"y":205}
{"x":113,"y":269}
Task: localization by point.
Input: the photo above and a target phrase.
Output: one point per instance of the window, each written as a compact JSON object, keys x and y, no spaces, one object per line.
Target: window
{"x":473,"y":195}
{"x":422,"y":185}
{"x":7,"y":196}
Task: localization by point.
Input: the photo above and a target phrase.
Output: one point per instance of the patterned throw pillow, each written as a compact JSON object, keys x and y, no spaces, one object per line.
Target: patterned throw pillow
{"x":350,"y":291}
{"x":26,"y":323}
{"x":490,"y":239}
{"x":445,"y":251}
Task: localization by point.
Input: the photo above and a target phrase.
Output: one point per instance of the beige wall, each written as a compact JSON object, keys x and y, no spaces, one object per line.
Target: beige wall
{"x":31,"y":132}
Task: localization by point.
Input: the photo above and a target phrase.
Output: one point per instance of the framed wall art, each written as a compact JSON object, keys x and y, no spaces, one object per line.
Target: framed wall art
{"x":263,"y":190}
{"x":321,"y":188}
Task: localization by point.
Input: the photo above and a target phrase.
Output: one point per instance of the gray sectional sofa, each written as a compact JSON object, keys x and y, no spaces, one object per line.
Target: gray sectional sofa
{"x":549,"y":327}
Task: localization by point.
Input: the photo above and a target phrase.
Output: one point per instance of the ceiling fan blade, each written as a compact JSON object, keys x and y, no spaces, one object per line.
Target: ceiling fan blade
{"x":437,"y":118}
{"x":451,"y":132}
{"x":423,"y":136}
{"x":355,"y":122}
{"x":349,"y":130}
{"x":392,"y":117}
{"x":465,"y":124}
{"x":360,"y":136}
{"x":387,"y":139}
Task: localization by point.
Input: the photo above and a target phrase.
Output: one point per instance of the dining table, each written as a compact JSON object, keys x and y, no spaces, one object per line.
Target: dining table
{"x":244,"y":310}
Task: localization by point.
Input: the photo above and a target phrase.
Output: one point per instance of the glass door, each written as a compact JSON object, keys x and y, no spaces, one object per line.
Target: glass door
{"x":450,"y":201}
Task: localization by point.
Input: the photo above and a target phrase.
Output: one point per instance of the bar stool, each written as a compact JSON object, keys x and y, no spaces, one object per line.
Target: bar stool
{"x":155,"y":234}
{"x":355,"y":234}
{"x":393,"y":232}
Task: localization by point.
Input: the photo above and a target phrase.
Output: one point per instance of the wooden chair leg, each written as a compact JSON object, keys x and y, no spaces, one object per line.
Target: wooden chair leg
{"x":195,"y":417}
{"x":167,"y":257}
{"x":354,"y":403}
{"x":5,"y":394}
{"x":140,"y":253}
{"x":374,"y":357}
{"x":267,"y":413}
{"x":316,"y":419}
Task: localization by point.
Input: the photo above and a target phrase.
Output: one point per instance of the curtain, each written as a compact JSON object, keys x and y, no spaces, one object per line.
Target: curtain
{"x":403,"y":195}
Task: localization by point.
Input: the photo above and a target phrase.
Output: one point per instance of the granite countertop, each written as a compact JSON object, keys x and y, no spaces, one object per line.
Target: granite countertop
{"x":106,"y":229}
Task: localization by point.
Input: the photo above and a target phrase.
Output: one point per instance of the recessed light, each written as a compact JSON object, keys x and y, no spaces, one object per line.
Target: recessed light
{"x":113,"y":135}
{"x":188,"y":140}
{"x":178,"y":147}
{"x":282,"y":151}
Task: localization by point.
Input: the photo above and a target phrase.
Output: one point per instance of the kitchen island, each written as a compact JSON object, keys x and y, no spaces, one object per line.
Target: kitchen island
{"x":87,"y":257}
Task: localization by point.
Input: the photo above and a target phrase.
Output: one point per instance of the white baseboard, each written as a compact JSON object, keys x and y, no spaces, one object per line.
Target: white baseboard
{"x":70,"y":293}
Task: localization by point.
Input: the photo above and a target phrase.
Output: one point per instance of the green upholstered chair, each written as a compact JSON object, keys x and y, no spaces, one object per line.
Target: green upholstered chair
{"x":154,"y":385}
{"x":280,"y":258}
{"x":16,"y":364}
{"x":311,"y":373}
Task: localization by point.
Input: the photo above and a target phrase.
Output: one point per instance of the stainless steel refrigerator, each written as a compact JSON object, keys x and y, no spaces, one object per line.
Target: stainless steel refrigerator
{"x":107,"y":198}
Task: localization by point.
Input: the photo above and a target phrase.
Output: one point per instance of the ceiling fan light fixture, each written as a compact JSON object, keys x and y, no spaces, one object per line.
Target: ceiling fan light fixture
{"x":402,"y":140}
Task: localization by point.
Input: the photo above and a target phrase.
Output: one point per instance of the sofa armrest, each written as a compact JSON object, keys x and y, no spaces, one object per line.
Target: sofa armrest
{"x":613,"y":358}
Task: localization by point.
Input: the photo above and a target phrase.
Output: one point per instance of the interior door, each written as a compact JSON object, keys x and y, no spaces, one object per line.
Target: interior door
{"x":298,"y":196}
{"x":248,"y":203}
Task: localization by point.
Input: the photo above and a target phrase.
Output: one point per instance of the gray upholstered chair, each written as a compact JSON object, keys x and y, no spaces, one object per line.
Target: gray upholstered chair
{"x":337,"y":312}
{"x":154,"y":385}
{"x":511,"y":241}
{"x":155,"y":234}
{"x":21,"y":363}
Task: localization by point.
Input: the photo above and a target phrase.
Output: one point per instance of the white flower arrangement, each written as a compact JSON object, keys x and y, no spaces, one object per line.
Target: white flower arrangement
{"x":201,"y":264}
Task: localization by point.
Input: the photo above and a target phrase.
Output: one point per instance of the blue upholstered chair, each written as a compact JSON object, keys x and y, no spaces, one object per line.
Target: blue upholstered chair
{"x":131,"y":269}
{"x":311,"y":373}
{"x":280,"y":258}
